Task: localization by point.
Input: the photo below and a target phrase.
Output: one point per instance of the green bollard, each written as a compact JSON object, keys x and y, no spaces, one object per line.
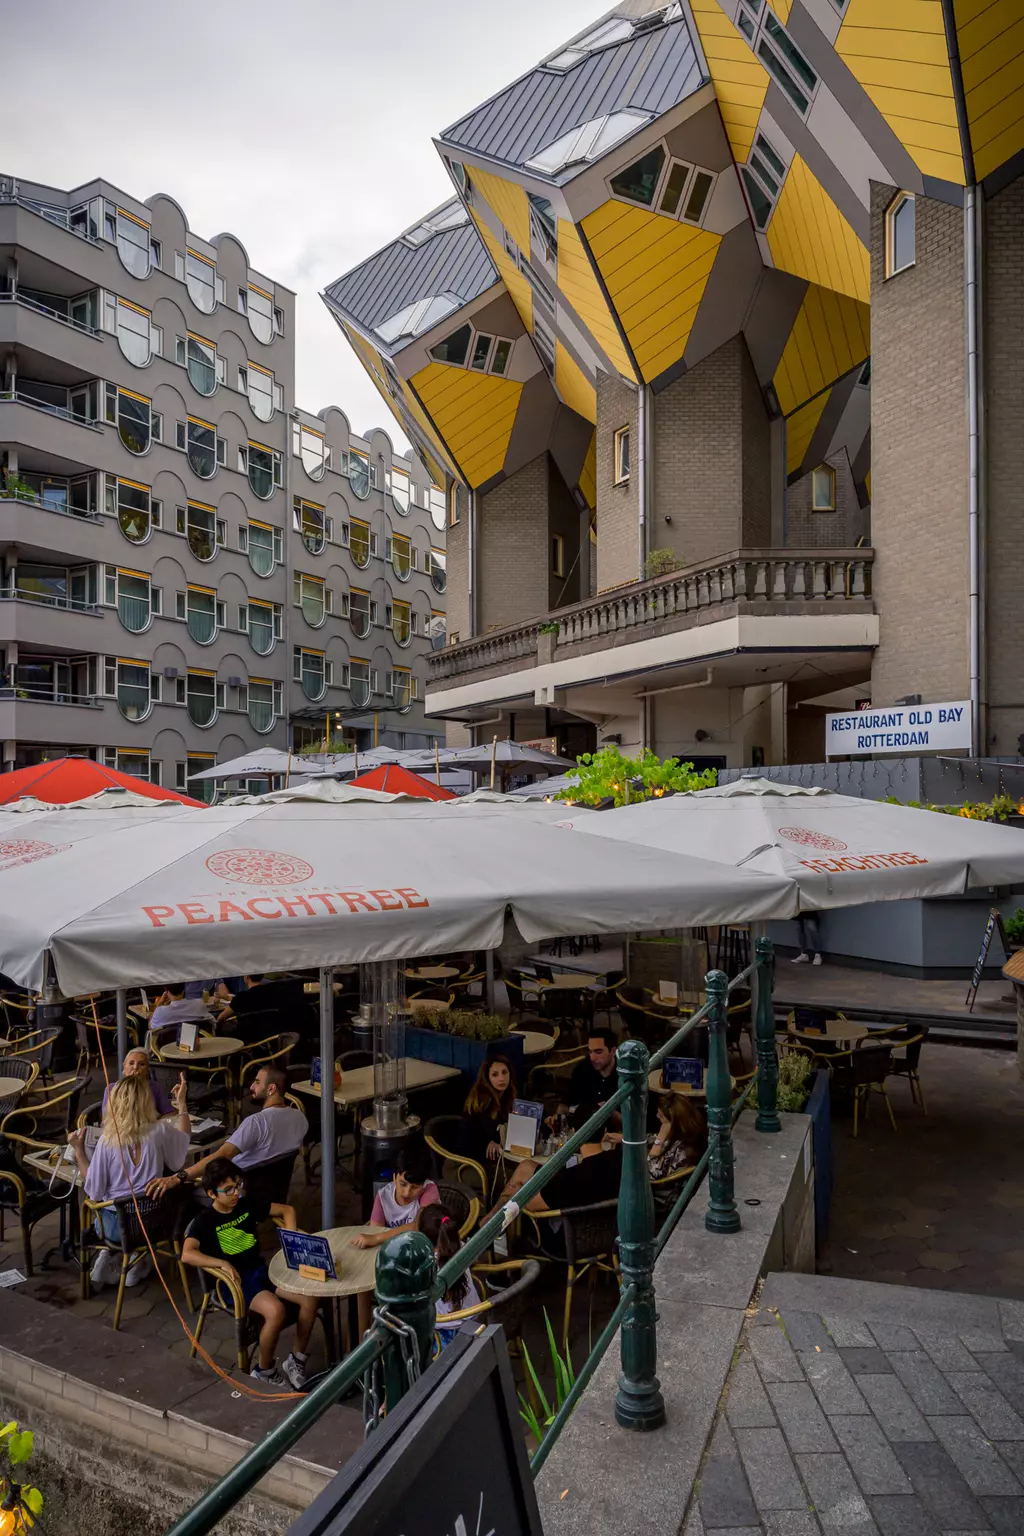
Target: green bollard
{"x":722,"y":1214}
{"x":405,"y":1281}
{"x":638,"y":1401}
{"x":764,"y":1032}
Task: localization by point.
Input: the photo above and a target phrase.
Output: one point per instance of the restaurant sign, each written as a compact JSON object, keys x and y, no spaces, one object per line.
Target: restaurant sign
{"x":901,"y":728}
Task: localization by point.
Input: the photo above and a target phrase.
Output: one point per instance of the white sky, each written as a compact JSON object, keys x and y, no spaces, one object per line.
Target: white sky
{"x":304,"y":129}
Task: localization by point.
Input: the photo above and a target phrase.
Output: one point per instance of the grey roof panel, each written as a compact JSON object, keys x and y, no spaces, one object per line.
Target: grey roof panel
{"x":454,"y":261}
{"x":653,"y":72}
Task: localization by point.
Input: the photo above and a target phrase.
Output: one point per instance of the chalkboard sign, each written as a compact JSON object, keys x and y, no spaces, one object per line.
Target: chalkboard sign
{"x":315,"y":1071}
{"x":687,"y":1070}
{"x":308,"y":1251}
{"x":994,"y":924}
{"x":449,"y":1460}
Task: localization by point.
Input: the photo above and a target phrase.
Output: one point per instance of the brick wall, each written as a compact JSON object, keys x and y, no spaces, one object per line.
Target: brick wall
{"x":513,"y":549}
{"x":1004,"y":524}
{"x":825,"y":530}
{"x":617,"y":515}
{"x":563,"y":520}
{"x":457,"y":596}
{"x":711,"y":459}
{"x":919,"y":459}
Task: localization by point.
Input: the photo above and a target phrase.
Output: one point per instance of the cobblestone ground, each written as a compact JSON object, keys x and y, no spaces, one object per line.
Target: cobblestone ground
{"x":854,"y":1409}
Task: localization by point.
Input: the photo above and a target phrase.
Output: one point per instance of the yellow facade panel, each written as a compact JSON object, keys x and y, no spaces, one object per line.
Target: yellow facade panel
{"x":897,"y":50}
{"x":588,"y":475}
{"x":519,"y":289}
{"x":800,"y":428}
{"x":474,"y":414}
{"x":740,"y":82}
{"x":809,"y":237}
{"x":372,"y":362}
{"x":508,"y":201}
{"x":573,"y":385}
{"x":831,"y":335}
{"x":577,"y":281}
{"x":991,"y":39}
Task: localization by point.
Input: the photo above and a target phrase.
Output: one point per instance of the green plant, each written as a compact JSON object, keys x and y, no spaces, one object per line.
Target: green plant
{"x":794,"y":1088}
{"x":660,"y":562}
{"x":15,"y":486}
{"x":20,"y":1503}
{"x":474,"y":1026}
{"x":607,"y":774}
{"x":999,"y":808}
{"x":1013,"y":926}
{"x":538,"y":1421}
{"x":551,"y":628}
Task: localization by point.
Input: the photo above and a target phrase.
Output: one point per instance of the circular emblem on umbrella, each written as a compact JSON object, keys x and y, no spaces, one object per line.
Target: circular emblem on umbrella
{"x":811,"y":839}
{"x":24,"y":848}
{"x":258,"y":866}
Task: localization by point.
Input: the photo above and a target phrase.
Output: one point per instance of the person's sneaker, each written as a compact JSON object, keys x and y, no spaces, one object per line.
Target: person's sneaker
{"x":106,"y":1267}
{"x":800,"y":959}
{"x":270,"y":1376}
{"x":140,"y":1269}
{"x":295,"y":1371}
{"x":816,"y":960}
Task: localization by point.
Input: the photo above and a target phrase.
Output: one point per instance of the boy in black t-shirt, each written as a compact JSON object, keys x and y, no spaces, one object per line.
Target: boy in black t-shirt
{"x":223,"y":1240}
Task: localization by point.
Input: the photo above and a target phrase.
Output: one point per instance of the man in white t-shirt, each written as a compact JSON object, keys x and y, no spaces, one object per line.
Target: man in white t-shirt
{"x":275,"y":1130}
{"x":174,"y":1007}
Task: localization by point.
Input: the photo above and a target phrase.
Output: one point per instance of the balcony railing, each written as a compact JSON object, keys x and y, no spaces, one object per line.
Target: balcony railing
{"x":22,"y":397}
{"x":50,"y":313}
{"x":21,"y":693}
{"x":59,"y":216}
{"x":46,"y":599}
{"x":750,"y":578}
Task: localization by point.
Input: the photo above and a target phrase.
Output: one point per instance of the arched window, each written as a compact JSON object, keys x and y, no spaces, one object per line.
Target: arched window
{"x":201,"y":697}
{"x":130,"y":501}
{"x":438,"y":570}
{"x":201,"y":281}
{"x":263,"y":466}
{"x":262,"y":712}
{"x":198,"y":522}
{"x":359,"y":474}
{"x":263,"y":546}
{"x":134,"y":245}
{"x":823,"y":489}
{"x":359,"y":544}
{"x":900,"y":234}
{"x":310,"y":521}
{"x":201,"y":362}
{"x":261,"y":627}
{"x":137,"y":336}
{"x":359,"y":612}
{"x":259,"y":306}
{"x":400,"y":489}
{"x":132,"y":415}
{"x":311,"y":446}
{"x":134,"y":697}
{"x":201,"y":614}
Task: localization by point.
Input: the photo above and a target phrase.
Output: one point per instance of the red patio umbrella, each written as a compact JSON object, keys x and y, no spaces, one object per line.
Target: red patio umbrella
{"x":66,"y":779}
{"x":400,"y":781}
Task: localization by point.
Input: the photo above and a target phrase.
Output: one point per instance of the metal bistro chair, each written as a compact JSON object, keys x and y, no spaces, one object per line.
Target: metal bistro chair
{"x":25,"y":1071}
{"x":863,"y":1071}
{"x":272,"y":1180}
{"x":524,"y":993}
{"x":161,"y":1221}
{"x":223,"y":1293}
{"x":505,"y":1304}
{"x":442,"y":1134}
{"x":37,"y":1127}
{"x":589,"y":1233}
{"x":463,"y":1207}
{"x":35,"y":1046}
{"x":907,"y":1042}
{"x":88,"y":1049}
{"x":666,"y":1188}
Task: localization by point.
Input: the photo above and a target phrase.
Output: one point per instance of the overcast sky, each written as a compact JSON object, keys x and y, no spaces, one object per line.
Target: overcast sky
{"x":303,"y":128}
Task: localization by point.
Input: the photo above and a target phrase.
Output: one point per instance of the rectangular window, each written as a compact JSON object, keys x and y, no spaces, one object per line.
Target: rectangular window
{"x":621,"y":456}
{"x":557,"y":555}
{"x":823,"y":489}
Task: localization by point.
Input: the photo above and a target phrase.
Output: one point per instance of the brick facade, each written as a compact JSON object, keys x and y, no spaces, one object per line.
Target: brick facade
{"x":840,"y":529}
{"x":919,"y":459}
{"x":513,"y":555}
{"x":617,"y":518}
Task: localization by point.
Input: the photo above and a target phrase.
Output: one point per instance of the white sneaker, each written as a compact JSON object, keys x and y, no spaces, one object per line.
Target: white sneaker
{"x":140,"y":1269}
{"x":271,"y":1377}
{"x":800,"y":959}
{"x":106,"y":1267}
{"x":816,"y":960}
{"x":295,"y":1371}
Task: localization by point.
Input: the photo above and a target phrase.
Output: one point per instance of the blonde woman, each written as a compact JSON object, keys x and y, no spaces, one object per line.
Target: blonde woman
{"x":135,"y":1147}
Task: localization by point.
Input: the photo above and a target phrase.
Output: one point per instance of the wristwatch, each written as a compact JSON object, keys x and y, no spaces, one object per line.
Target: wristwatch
{"x":183,"y":1177}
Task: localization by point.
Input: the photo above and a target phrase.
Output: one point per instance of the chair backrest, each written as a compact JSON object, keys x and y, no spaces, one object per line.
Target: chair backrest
{"x":590,"y":1230}
{"x":20,"y":1067}
{"x":349,"y":1061}
{"x":915,"y":1041}
{"x":871,"y":1063}
{"x":163,"y":1219}
{"x":459,"y":1203}
{"x":543,"y":972}
{"x":272,"y":1180}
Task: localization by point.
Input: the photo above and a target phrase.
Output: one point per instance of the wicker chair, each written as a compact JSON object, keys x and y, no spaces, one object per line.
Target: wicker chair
{"x":501,"y":1304}
{"x":463,"y":1207}
{"x":907,"y":1042}
{"x":160,"y":1221}
{"x":589,"y":1233}
{"x":442,"y":1135}
{"x":25,"y":1071}
{"x":37,"y":1127}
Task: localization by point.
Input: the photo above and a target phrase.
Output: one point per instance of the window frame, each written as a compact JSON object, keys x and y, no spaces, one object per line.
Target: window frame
{"x":824,"y":470}
{"x":276,"y":469}
{"x":621,"y":438}
{"x":558,"y":555}
{"x":694,"y":170}
{"x":112,"y":505}
{"x":892,"y":213}
{"x":312,"y":545}
{"x":112,"y":396}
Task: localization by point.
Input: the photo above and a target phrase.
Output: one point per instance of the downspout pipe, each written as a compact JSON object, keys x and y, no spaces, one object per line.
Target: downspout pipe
{"x":641,"y":477}
{"x":471,"y":560}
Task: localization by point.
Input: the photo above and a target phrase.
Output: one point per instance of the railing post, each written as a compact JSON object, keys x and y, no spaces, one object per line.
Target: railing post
{"x":764,"y":1033}
{"x":638,"y":1402}
{"x":722,"y":1214}
{"x":405,"y":1280}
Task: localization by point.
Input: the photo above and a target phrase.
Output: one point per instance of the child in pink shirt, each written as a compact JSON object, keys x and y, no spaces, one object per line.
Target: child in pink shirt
{"x":398,"y":1204}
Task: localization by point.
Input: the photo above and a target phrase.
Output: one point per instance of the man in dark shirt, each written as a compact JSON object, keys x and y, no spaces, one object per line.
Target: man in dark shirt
{"x":593,"y":1081}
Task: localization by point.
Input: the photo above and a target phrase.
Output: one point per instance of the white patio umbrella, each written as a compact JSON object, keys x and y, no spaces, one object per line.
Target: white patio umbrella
{"x":516,"y":805}
{"x":264,"y":762}
{"x":545,"y":787}
{"x":319,"y":790}
{"x":838,"y":850}
{"x":510,"y":755}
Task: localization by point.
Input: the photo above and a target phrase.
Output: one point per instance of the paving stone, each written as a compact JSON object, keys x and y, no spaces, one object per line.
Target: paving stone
{"x":838,"y":1502}
{"x":835,"y":1387}
{"x":1006,"y":1516}
{"x":803,"y":1423}
{"x":770,"y":1471}
{"x":1012,"y":1452}
{"x":870,"y":1455}
{"x":905,"y":1516}
{"x":987,"y":1404}
{"x":747,"y":1405}
{"x":849,"y":1332}
{"x":924,"y":1381}
{"x":863,"y":1362}
{"x":889,"y":1336}
{"x":773,"y":1355}
{"x":694,"y":1524}
{"x":890,"y":1402}
{"x":983,"y":1468}
{"x":938,"y":1482}
{"x":983,"y":1343}
{"x":945,"y":1351}
{"x":790,"y":1522}
{"x":723,"y":1495}
{"x":805,"y":1330}
{"x":1011,"y":1319}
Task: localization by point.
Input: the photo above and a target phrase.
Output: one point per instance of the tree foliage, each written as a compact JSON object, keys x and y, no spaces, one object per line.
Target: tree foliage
{"x":625,"y":780}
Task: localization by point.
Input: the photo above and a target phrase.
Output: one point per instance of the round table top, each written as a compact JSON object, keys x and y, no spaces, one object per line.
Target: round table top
{"x":207,"y":1048}
{"x":520,"y":1157}
{"x":577,"y":980}
{"x":428,"y":1005}
{"x":356,"y":1267}
{"x":433,"y":973}
{"x":837,"y":1032}
{"x":9,"y":1085}
{"x":535,"y":1042}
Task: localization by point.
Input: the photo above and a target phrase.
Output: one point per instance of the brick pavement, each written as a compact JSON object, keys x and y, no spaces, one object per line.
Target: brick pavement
{"x":856,"y":1409}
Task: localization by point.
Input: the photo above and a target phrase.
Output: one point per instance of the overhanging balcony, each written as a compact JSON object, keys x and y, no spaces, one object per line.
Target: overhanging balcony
{"x":735,"y":611}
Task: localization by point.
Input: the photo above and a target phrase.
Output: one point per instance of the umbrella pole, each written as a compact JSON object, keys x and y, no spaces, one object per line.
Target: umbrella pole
{"x":122,"y":1027}
{"x":355,"y":753}
{"x":437,"y":764}
{"x":489,"y":984}
{"x":287,"y":769}
{"x":494,"y":754}
{"x":327,"y":1098}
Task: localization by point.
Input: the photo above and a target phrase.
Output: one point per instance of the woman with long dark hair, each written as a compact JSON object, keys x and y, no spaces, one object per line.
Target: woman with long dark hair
{"x":487,"y":1108}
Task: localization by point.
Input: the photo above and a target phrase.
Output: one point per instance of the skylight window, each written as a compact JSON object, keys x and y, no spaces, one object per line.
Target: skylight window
{"x":588,"y":142}
{"x":449,"y":217}
{"x":416,"y":318}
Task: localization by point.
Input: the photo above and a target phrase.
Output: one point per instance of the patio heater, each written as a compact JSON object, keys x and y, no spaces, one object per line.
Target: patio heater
{"x":388,"y":1129}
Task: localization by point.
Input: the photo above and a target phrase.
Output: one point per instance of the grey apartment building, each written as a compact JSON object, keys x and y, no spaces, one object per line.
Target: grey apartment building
{"x":190,"y":565}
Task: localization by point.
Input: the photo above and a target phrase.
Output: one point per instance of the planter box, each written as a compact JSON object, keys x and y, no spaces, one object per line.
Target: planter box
{"x":819,"y":1107}
{"x":467,"y":1055}
{"x":429,"y":1045}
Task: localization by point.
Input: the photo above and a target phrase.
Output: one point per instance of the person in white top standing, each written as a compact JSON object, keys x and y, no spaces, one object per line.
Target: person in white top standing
{"x":272,"y":1132}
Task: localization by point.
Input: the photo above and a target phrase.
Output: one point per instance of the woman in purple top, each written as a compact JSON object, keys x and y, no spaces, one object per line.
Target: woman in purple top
{"x":136,"y":1064}
{"x":134,"y":1148}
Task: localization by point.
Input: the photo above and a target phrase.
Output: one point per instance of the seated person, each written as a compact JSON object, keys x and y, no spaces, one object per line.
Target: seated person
{"x":272,"y":1132}
{"x":441,"y":1230}
{"x":593,"y":1081}
{"x":594,"y":1177}
{"x":173,"y":1007}
{"x":398,"y":1204}
{"x":218,"y":989}
{"x":681,"y":1138}
{"x":136,"y":1064}
{"x":487,"y":1108}
{"x":223,"y":1241}
{"x":134,"y":1148}
{"x":267,"y":1005}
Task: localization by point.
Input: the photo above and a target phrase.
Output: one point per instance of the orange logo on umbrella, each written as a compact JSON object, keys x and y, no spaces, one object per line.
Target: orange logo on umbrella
{"x":258,"y":866}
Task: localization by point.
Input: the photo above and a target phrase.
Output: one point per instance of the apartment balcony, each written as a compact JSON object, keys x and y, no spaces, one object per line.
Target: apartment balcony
{"x":49,"y":522}
{"x":40,"y":329}
{"x":46,"y":622}
{"x":740,"y":614}
{"x":59,"y":720}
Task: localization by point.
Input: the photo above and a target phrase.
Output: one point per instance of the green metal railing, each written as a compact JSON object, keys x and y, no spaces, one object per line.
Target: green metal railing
{"x":409,"y":1282}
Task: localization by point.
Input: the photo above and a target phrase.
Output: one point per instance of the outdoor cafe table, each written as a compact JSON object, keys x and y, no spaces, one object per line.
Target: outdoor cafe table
{"x":433,"y":973}
{"x":356,"y":1269}
{"x":357,"y":1085}
{"x":208,"y":1050}
{"x":45,"y":1163}
{"x":9,"y":1087}
{"x":654,"y":1086}
{"x":577,"y":981}
{"x":535,"y":1042}
{"x":519,"y":1157}
{"x":835,"y":1032}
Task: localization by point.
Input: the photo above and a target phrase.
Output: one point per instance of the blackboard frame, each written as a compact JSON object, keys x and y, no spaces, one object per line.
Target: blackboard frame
{"x":993,"y":925}
{"x":365,"y":1498}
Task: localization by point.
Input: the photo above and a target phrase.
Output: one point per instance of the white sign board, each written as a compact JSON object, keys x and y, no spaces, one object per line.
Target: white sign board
{"x":902,"y":728}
